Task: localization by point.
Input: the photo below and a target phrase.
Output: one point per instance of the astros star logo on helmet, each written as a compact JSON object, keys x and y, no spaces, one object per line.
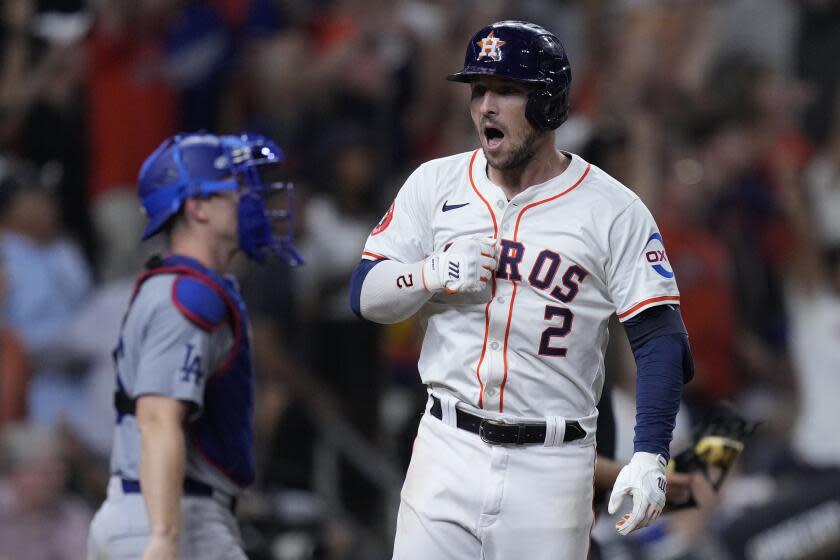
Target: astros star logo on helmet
{"x":489,"y":48}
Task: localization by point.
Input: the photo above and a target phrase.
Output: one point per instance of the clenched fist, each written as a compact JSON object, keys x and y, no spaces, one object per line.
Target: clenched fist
{"x":466,"y":266}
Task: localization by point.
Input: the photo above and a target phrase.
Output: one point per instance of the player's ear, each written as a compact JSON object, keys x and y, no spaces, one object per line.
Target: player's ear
{"x":195,"y":210}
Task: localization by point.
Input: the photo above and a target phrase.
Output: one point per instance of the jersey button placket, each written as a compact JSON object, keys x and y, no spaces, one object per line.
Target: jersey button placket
{"x":494,"y":372}
{"x":498,"y":319}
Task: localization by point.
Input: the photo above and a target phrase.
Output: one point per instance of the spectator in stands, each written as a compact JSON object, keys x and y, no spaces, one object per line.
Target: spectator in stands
{"x":48,"y":279}
{"x":131,"y":103}
{"x":812,"y":296}
{"x":702,"y":262}
{"x":14,"y":371}
{"x":337,"y":224}
{"x":90,"y":335}
{"x":37,"y":519}
{"x":42,"y":117}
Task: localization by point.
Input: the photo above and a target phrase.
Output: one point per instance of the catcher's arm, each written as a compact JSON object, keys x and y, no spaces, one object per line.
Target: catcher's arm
{"x":162,"y":465}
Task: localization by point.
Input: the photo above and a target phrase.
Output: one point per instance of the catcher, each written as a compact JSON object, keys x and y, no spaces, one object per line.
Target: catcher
{"x":183,"y":441}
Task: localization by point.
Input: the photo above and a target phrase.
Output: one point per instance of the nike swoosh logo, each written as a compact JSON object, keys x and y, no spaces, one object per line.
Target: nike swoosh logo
{"x":447,"y":208}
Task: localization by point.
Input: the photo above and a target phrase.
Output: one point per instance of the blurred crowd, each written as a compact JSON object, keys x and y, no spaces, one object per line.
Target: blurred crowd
{"x":723,"y":115}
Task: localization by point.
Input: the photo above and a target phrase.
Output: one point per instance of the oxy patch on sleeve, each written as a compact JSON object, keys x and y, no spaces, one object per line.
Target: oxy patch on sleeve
{"x":199,"y":303}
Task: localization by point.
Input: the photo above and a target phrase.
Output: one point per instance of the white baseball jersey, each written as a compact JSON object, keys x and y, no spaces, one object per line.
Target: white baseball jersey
{"x":574,"y":250}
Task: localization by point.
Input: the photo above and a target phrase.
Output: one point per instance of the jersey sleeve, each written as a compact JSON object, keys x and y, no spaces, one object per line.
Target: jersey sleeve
{"x":404,"y":233}
{"x":177,"y":356}
{"x":639,"y":274}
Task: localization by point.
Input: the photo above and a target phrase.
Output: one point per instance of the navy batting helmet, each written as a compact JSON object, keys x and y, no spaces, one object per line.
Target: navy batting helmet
{"x":528,"y":53}
{"x":198,"y":165}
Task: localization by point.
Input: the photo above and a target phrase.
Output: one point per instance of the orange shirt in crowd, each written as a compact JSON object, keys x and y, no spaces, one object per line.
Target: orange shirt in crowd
{"x":14,"y":379}
{"x":701,"y":264}
{"x":131,"y":108}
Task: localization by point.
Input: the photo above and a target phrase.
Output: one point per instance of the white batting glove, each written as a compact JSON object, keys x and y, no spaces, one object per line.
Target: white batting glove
{"x":643,"y":478}
{"x":466,"y":266}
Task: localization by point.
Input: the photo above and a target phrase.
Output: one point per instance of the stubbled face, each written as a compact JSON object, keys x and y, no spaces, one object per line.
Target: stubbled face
{"x":497,"y":108}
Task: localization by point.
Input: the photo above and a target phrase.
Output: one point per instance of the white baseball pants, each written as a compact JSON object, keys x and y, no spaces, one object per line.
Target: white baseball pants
{"x":464,"y":499}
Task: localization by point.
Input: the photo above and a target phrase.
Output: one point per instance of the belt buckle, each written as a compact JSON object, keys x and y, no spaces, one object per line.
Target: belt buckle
{"x":482,"y":430}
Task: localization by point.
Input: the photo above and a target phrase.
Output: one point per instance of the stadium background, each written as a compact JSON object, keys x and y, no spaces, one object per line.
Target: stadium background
{"x":723,"y":115}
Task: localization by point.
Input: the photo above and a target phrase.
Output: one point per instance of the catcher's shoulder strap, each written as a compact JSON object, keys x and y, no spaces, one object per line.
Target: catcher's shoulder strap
{"x":195,"y":294}
{"x":199,"y":301}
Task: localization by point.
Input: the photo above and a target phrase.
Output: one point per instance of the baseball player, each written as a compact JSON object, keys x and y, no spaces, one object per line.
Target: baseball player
{"x":515,"y":256}
{"x":184,"y":386}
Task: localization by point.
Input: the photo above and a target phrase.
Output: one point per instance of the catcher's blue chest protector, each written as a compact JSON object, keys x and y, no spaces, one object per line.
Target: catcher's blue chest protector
{"x":224,"y":432}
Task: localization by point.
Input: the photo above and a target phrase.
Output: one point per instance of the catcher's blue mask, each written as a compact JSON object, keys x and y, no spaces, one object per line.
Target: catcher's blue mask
{"x":265,"y":202}
{"x":201,"y":165}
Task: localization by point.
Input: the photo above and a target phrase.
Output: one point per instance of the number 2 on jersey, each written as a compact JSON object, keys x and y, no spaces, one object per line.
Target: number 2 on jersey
{"x":565,"y":327}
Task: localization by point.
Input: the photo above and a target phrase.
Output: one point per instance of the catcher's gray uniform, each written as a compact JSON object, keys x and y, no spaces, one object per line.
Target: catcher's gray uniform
{"x":162,"y":351}
{"x":186,"y":337}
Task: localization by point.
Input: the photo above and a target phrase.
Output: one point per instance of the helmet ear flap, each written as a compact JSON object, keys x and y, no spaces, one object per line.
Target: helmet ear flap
{"x":546,"y":110}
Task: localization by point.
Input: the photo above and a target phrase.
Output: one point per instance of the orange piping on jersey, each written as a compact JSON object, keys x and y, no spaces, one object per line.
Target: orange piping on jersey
{"x":504,"y":353}
{"x":549,"y":199}
{"x":513,"y":295}
{"x":374,"y":256}
{"x":675,"y":299}
{"x":484,"y":200}
{"x":492,"y":289}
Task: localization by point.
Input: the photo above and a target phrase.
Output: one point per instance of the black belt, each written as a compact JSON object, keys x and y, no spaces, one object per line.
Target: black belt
{"x":496,"y":432}
{"x":192,"y":487}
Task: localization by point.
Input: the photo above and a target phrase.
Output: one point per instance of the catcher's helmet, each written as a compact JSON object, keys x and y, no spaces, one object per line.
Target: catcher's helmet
{"x":197,"y":165}
{"x":528,"y":53}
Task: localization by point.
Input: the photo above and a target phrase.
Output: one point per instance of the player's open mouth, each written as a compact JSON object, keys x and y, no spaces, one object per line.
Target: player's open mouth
{"x":493,"y":136}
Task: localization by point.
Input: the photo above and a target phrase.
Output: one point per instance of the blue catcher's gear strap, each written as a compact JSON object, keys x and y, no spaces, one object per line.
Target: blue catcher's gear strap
{"x":199,"y":302}
{"x":663,"y":363}
{"x":175,"y":195}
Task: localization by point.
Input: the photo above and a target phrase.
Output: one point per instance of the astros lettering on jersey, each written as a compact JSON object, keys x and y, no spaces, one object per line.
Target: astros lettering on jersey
{"x":573,"y":251}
